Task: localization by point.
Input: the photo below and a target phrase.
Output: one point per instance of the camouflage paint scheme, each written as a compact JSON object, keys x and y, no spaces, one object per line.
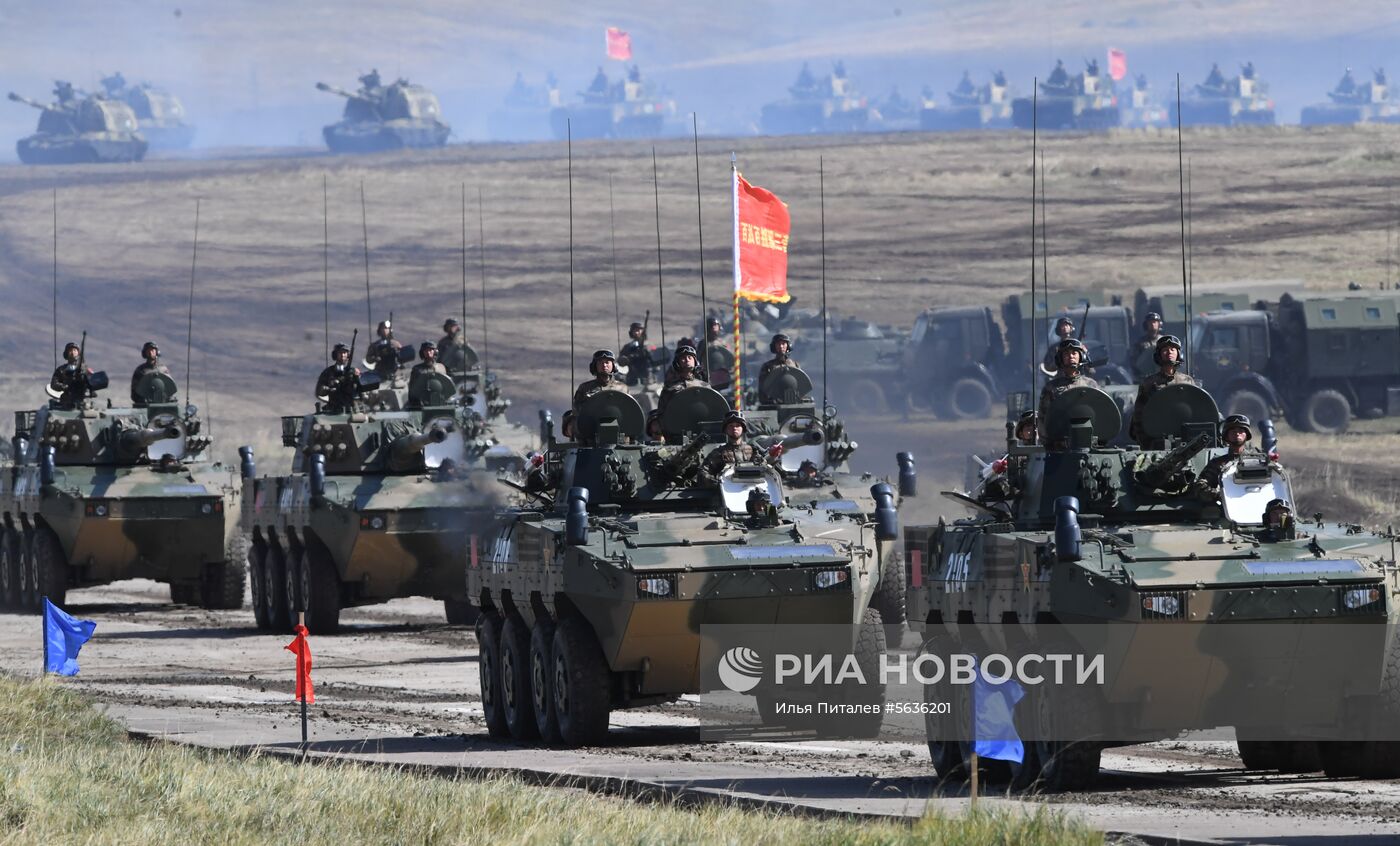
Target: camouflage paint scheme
{"x":1147,"y":538}
{"x":113,"y":514}
{"x":90,"y":129}
{"x":386,"y":117}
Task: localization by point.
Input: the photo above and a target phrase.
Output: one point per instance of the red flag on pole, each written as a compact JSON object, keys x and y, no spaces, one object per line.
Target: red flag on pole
{"x":301,"y":647}
{"x":619,"y":44}
{"x":1117,"y":63}
{"x":761,"y":229}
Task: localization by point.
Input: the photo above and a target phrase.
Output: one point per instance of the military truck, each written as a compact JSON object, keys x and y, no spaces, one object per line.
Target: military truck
{"x":1239,"y":295}
{"x":1125,"y":553}
{"x":78,"y":130}
{"x":1083,"y":101}
{"x":382,"y":117}
{"x":99,"y":493}
{"x":159,"y":114}
{"x":628,"y":108}
{"x":1241,"y":101}
{"x":971,"y":106}
{"x":593,"y":599}
{"x":813,"y":105}
{"x":1320,"y":360}
{"x":381,"y":503}
{"x":1368,"y":102}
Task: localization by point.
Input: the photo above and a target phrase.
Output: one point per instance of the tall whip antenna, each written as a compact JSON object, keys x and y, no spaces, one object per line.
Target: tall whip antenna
{"x":569,"y":129}
{"x":364,"y":226}
{"x":1030,"y":318}
{"x":660,"y":286}
{"x":821,"y":194}
{"x":189,"y":325}
{"x":1046,"y":329}
{"x":700,"y":232}
{"x":55,"y":278}
{"x":1190,"y":256}
{"x":481,"y":254}
{"x":464,"y":260}
{"x":1181,"y":194}
{"x":326,"y":263}
{"x":612,"y":225}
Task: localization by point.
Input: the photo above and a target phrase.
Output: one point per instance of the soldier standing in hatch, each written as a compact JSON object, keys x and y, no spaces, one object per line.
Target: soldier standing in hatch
{"x":604,"y":370}
{"x":681,"y":375}
{"x":1137,"y":355}
{"x":1069,"y":359}
{"x":1167,"y":356}
{"x":781,"y":347}
{"x":636,"y":355}
{"x":1064,"y":330}
{"x":150,"y":353}
{"x":735,"y":450}
{"x":383,"y":354}
{"x":428,"y":352}
{"x":69,"y":381}
{"x":1236,"y":435}
{"x":453,"y":350}
{"x":336,"y":385}
{"x":720,"y":358}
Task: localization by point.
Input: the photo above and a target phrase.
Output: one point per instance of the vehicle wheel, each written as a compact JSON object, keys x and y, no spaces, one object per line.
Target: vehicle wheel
{"x":184,"y":594}
{"x":942,"y":730}
{"x":866,"y":396}
{"x":28,"y":590}
{"x":1327,"y":412}
{"x":257,"y":579}
{"x":488,"y":665}
{"x":1249,"y":403}
{"x":889,"y":599}
{"x":222,"y":585}
{"x":1286,"y":756}
{"x":969,"y":399}
{"x":320,"y":591}
{"x":459,"y":612}
{"x":1381,"y":758}
{"x":50,"y":567}
{"x":279,"y":616}
{"x":918,"y":403}
{"x":581,"y":684}
{"x":9,"y":568}
{"x":541,"y":694}
{"x":295,"y":577}
{"x":869,"y":647}
{"x":1342,"y":758}
{"x":515,"y":679}
{"x":1068,"y":725}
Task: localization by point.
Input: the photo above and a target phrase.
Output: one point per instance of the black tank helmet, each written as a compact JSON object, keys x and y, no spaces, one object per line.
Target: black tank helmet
{"x":601,"y":355}
{"x":449,"y":323}
{"x":736,"y":417}
{"x":1164,"y":342}
{"x":71,"y":346}
{"x":147,"y":347}
{"x":683,"y":350}
{"x":1151,"y":316}
{"x":424,"y":347}
{"x":338,"y":349}
{"x":1236,"y":421}
{"x":635,"y":327}
{"x":1071,"y":344}
{"x":781,"y":337}
{"x":1064,"y":321}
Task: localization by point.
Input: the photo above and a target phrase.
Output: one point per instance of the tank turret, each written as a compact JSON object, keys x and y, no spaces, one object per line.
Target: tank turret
{"x":75,"y":130}
{"x":385,"y":117}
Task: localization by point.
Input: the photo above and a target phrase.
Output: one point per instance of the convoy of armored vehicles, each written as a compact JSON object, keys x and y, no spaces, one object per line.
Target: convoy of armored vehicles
{"x":631,"y":107}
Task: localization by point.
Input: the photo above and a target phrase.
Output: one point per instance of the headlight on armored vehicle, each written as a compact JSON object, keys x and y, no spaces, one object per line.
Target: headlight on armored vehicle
{"x":655,"y":586}
{"x":1354,"y":598}
{"x":827,"y":579}
{"x":96,"y":508}
{"x":372,"y":522}
{"x":207,"y":508}
{"x":1161,"y":606}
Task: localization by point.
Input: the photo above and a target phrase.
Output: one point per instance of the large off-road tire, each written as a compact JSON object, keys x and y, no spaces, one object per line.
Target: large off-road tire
{"x":869,"y":646}
{"x":1343,"y":758}
{"x":1068,"y":722}
{"x":1286,"y":756}
{"x":1381,"y":758}
{"x":515,"y":679}
{"x":184,"y":593}
{"x":1327,"y":412}
{"x":9,"y":568}
{"x":541,"y":671}
{"x":28,"y":590}
{"x":279,"y":606}
{"x":943,"y":731}
{"x":865,"y":396}
{"x":969,"y":399}
{"x":221,"y":587}
{"x":459,"y":612}
{"x":488,"y":666}
{"x":49,"y":566}
{"x":582,"y":685}
{"x":257,"y":585}
{"x":888,"y":599}
{"x":320,"y":591}
{"x":1251,"y":404}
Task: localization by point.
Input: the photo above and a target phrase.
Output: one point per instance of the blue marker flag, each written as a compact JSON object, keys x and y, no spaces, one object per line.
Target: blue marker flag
{"x":994,"y":718}
{"x":64,"y":635}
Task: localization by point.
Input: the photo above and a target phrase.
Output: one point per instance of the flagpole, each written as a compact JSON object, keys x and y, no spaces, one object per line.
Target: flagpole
{"x":301,"y":672}
{"x":738,"y":375}
{"x":44,"y":653}
{"x":700,"y":235}
{"x":974,"y":775}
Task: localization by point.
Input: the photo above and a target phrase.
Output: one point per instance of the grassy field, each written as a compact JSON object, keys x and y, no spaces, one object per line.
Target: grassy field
{"x":70,"y":775}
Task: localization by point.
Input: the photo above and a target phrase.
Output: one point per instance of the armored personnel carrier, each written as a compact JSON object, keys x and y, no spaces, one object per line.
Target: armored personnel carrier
{"x":971,"y":106}
{"x":1185,"y":591}
{"x":1083,"y":101}
{"x":595,"y":598}
{"x":98,"y":493}
{"x":159,"y":114}
{"x":382,"y":117}
{"x":1368,"y":102}
{"x":628,"y":108}
{"x":1242,"y":101}
{"x":381,"y":503}
{"x":826,"y":105}
{"x":78,"y":130}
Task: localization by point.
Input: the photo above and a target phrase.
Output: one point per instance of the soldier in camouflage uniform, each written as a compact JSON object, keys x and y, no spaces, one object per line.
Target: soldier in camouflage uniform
{"x":604,"y":370}
{"x":68,"y":382}
{"x":1236,"y":435}
{"x":453,"y":350}
{"x":335,"y":387}
{"x":1167,"y":355}
{"x":1147,"y":343}
{"x":719,"y":356}
{"x":736,"y":450}
{"x":636,"y":355}
{"x":151,"y":364}
{"x":428,"y":352}
{"x":681,"y":375}
{"x":1064,"y":330}
{"x":1069,"y":358}
{"x":780,"y":346}
{"x":383,"y":354}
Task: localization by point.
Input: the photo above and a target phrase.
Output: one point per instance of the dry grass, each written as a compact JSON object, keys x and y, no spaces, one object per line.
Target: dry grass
{"x":69,"y":775}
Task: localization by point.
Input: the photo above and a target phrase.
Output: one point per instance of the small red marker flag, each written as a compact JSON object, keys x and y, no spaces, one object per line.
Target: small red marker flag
{"x":619,"y":44}
{"x":301,"y":647}
{"x":1117,"y":63}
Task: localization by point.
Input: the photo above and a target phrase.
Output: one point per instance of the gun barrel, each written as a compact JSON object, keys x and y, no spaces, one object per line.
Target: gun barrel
{"x":1163,"y":468}
{"x":406,"y":446}
{"x":135,"y":440}
{"x":321,"y":86}
{"x":25,"y":100}
{"x":811,"y":437}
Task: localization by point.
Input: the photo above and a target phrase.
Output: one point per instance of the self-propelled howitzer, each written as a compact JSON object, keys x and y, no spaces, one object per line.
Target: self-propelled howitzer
{"x":594,"y":599}
{"x":1185,"y":589}
{"x":386,"y":117}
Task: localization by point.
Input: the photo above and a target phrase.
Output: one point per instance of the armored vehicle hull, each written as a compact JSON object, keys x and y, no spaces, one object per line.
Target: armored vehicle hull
{"x":68,"y":520}
{"x":805,"y":117}
{"x":378,"y":137}
{"x":1225,"y":111}
{"x":167,"y":136}
{"x":592,"y":121}
{"x":1333,"y":114}
{"x":1081,"y":112}
{"x":954,"y":117}
{"x":88,"y":148}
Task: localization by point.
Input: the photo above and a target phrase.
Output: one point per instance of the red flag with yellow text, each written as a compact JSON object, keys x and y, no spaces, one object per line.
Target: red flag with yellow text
{"x":301,"y":647}
{"x":761,"y":230}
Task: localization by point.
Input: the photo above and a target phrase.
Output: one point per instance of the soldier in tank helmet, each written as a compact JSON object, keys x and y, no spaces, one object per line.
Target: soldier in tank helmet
{"x":1167,"y":356}
{"x":453,"y":350}
{"x":383,"y":353}
{"x":781,"y":347}
{"x":336,"y":385}
{"x":1069,"y":361}
{"x":683,"y":373}
{"x":603,"y":366}
{"x":150,"y":363}
{"x":735,"y":450}
{"x":636,"y":355}
{"x":1145,"y":345}
{"x":1025,"y":427}
{"x":69,"y":381}
{"x":1278,"y":521}
{"x":428,"y":364}
{"x":1235,"y":434}
{"x":1064,"y":329}
{"x":720,"y":359}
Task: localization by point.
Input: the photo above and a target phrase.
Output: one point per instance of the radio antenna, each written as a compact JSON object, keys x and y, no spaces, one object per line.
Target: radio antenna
{"x":660,"y":285}
{"x":1181,"y":195}
{"x":569,"y":139}
{"x":464,"y":260}
{"x":700,"y":232}
{"x":189,"y":325}
{"x":612,"y":225}
{"x":1190,"y":257}
{"x":821,"y":195}
{"x":364,"y":226}
{"x":55,"y":278}
{"x":1030,"y":318}
{"x":326,"y":262}
{"x":481,"y":254}
{"x":1044,"y":253}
